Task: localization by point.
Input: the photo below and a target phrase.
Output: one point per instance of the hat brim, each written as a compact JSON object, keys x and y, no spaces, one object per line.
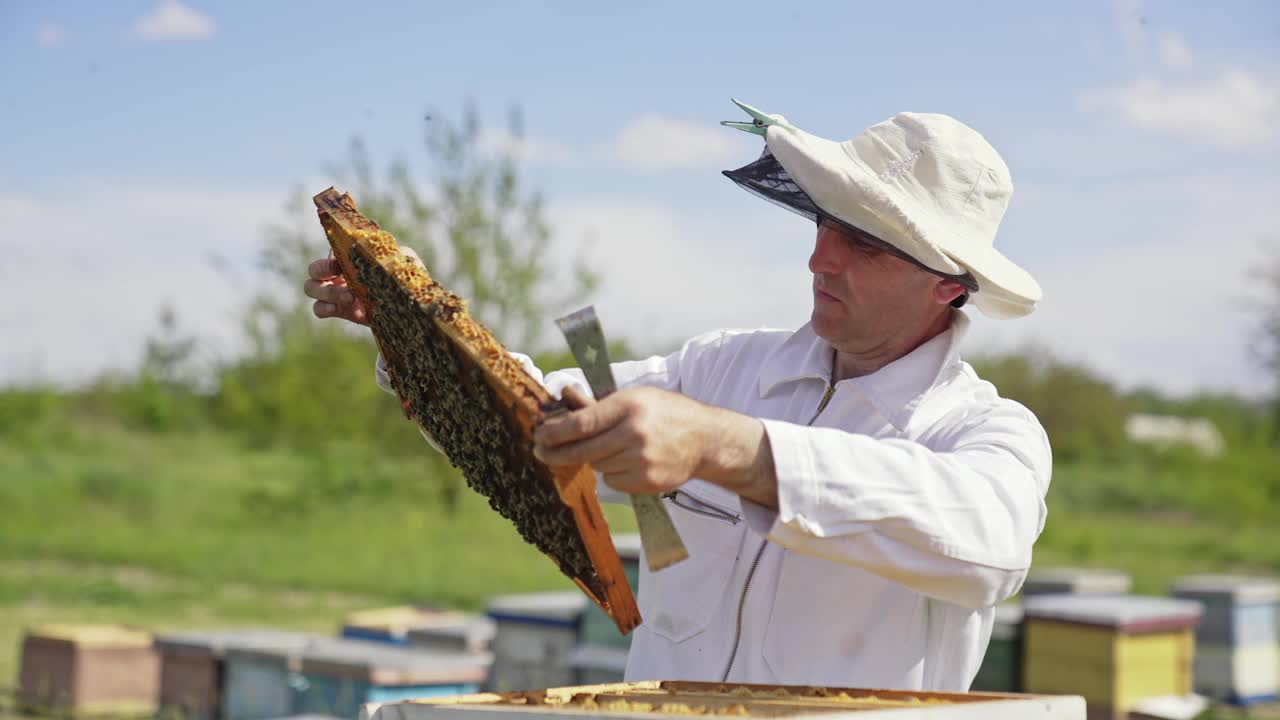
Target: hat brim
{"x":842,"y":186}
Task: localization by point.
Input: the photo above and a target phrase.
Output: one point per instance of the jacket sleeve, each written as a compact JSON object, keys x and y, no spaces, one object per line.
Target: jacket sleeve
{"x":954,"y":520}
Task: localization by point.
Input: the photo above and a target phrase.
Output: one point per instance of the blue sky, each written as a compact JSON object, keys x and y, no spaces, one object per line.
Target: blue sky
{"x":139,"y":138}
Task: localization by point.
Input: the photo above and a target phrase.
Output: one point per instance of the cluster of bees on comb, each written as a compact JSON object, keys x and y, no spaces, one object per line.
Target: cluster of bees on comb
{"x":447,"y":391}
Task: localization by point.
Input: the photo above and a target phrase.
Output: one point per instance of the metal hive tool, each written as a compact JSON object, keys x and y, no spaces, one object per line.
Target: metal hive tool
{"x":456,"y":381}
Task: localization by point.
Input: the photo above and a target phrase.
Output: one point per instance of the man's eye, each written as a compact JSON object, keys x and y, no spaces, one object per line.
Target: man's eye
{"x":865,"y":248}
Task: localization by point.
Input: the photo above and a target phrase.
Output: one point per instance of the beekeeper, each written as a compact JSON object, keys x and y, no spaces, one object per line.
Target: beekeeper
{"x":855,"y":499}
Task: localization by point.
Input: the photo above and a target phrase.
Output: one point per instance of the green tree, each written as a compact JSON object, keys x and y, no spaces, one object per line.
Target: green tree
{"x":1082,"y":413}
{"x":1269,"y":337}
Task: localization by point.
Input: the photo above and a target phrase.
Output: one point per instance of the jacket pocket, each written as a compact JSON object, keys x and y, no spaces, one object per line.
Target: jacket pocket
{"x":839,"y":625}
{"x":681,"y":601}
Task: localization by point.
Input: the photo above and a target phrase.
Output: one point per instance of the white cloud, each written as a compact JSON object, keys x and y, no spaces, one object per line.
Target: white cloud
{"x":1234,"y":109}
{"x":1158,"y":298}
{"x":670,"y":275}
{"x":171,"y":20}
{"x":654,"y":142}
{"x":1178,"y":93}
{"x":99,"y":259}
{"x":504,"y":142}
{"x":51,"y":35}
{"x":1174,"y":52}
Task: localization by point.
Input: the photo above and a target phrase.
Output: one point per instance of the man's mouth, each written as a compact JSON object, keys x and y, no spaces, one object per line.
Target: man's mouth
{"x":820,"y":294}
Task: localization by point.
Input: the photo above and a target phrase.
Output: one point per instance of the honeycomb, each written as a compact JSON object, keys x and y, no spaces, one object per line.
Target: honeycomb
{"x":693,"y":698}
{"x":459,"y":384}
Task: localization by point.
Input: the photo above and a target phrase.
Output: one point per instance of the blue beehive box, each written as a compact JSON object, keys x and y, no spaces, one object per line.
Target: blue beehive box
{"x":337,"y":677}
{"x":259,"y":672}
{"x":464,"y":633}
{"x":193,"y":673}
{"x":536,"y":635}
{"x":392,"y":624}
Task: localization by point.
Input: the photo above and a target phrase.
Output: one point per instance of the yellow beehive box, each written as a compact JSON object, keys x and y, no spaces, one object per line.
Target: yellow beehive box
{"x":393,"y":624}
{"x":1115,"y":651}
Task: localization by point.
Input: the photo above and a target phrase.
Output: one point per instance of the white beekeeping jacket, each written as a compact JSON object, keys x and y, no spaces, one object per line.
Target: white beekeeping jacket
{"x":907,"y":510}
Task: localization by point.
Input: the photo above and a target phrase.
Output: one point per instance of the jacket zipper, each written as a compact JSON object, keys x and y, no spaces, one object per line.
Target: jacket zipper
{"x":764,"y":544}
{"x":712,"y":510}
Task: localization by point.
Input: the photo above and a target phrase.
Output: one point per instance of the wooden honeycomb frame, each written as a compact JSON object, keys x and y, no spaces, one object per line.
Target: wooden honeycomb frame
{"x":457,"y":382}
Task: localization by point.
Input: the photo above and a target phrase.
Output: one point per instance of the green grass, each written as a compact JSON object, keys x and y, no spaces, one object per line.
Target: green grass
{"x":205,"y":507}
{"x":104,"y":524}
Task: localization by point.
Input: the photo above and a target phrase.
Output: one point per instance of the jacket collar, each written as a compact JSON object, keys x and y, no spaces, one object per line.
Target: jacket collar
{"x":895,"y":389}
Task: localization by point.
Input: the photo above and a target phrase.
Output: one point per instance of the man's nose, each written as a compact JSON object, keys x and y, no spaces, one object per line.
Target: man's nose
{"x":829,"y":253}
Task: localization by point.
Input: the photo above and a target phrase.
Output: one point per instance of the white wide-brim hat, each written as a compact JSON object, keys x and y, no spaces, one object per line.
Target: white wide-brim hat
{"x":926,"y":184}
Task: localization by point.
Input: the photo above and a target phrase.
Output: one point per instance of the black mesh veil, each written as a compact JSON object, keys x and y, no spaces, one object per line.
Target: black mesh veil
{"x":768,"y":179}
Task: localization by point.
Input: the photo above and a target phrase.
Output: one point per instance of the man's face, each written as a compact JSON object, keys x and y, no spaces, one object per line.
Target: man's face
{"x":863,"y":297}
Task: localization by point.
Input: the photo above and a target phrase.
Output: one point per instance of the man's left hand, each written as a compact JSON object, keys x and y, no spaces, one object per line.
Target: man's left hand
{"x":645,"y":441}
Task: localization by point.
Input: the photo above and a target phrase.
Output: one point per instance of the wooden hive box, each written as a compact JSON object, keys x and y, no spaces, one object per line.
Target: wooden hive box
{"x":193,"y":667}
{"x":1079,"y":581}
{"x":1113,"y":650}
{"x":656,"y":699}
{"x":393,"y":624}
{"x":1238,"y":610}
{"x":459,"y":384}
{"x":1237,"y":659}
{"x":88,"y":670}
{"x":598,"y":664}
{"x":259,"y":677}
{"x":536,"y":634}
{"x":465,"y":633}
{"x":337,"y":677}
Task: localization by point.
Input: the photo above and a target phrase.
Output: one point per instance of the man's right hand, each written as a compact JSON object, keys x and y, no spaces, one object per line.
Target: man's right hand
{"x":333,"y":298}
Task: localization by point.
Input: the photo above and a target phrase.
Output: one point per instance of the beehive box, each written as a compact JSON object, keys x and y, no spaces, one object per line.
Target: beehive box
{"x":338,"y":677}
{"x":1241,"y":676}
{"x":596,"y":629}
{"x":393,"y":624}
{"x":536,"y":632}
{"x":1079,"y":581}
{"x":598,"y":664}
{"x":465,"y":633}
{"x":1001,"y":669}
{"x":1113,"y":650}
{"x":459,"y":384}
{"x":88,"y":670}
{"x":1238,"y":610}
{"x":260,"y":679}
{"x":1236,"y":655}
{"x":193,"y":667}
{"x":646,"y":700}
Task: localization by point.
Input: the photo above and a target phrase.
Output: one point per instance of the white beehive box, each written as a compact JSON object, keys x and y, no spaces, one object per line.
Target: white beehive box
{"x":536,"y":632}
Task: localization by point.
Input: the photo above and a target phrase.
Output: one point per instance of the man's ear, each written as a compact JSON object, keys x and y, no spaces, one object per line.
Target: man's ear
{"x":947,"y":292}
